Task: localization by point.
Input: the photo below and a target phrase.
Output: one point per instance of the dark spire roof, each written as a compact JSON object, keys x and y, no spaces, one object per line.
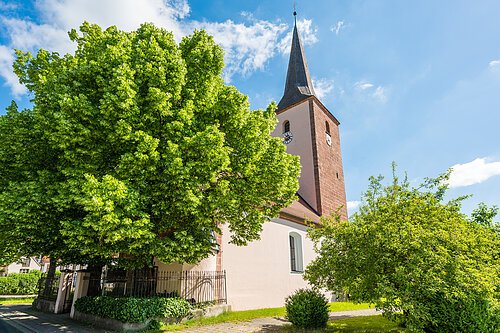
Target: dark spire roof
{"x":298,"y":81}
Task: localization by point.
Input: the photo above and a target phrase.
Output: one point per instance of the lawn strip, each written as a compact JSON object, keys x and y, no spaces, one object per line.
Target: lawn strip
{"x":10,"y":301}
{"x":235,"y":316}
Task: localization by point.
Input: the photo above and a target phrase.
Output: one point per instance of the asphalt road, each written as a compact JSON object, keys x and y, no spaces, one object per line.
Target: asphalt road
{"x":6,"y":328}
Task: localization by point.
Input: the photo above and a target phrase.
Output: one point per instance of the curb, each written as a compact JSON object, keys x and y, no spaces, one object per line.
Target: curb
{"x":17,"y":296}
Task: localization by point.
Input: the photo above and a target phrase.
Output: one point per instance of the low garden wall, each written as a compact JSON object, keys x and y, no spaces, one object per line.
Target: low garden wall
{"x":45,"y":305}
{"x":108,"y":323}
{"x":210,"y":311}
{"x":129,"y":313}
{"x":135,"y":314}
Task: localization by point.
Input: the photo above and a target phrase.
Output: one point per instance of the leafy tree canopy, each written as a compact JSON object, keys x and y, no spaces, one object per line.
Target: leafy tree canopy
{"x":484,"y":215}
{"x":409,"y":251}
{"x":140,"y":149}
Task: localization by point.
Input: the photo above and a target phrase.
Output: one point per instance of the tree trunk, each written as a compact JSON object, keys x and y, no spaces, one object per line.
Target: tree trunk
{"x":51,"y":273}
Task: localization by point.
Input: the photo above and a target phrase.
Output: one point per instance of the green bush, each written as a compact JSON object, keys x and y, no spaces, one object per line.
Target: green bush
{"x":154,"y":325}
{"x":133,"y":310}
{"x":463,"y":315}
{"x":307,"y":308}
{"x":20,"y":284}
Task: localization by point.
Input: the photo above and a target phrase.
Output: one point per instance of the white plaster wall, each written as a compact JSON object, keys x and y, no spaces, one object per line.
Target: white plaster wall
{"x":301,"y":145}
{"x":16,"y":267}
{"x":163,"y":267}
{"x":207,"y":264}
{"x":259,"y":275}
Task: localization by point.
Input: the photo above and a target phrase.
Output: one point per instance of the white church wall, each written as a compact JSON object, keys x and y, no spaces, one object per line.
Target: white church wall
{"x":259,"y":275}
{"x":207,"y":264}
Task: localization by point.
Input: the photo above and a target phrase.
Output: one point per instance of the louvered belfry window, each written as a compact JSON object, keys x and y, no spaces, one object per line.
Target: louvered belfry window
{"x":286,"y":126}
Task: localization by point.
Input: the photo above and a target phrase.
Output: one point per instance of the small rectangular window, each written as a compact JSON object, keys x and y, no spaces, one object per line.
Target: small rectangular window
{"x":293,"y":259}
{"x":296,"y":256}
{"x":25,"y":262}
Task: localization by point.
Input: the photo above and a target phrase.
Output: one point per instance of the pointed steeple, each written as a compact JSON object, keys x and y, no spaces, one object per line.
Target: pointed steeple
{"x":298,"y":81}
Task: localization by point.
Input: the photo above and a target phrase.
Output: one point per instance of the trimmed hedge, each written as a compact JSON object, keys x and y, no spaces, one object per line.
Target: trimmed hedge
{"x":307,"y":308}
{"x":132,"y":309}
{"x":20,"y":284}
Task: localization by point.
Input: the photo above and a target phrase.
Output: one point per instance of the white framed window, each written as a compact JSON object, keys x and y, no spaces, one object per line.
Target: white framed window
{"x":24,"y":271}
{"x":296,"y":256}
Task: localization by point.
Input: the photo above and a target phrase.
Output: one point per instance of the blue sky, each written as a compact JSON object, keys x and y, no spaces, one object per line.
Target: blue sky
{"x":415,"y":82}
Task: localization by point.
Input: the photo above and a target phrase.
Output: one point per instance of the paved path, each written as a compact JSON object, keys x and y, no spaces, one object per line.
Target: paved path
{"x":270,"y":324}
{"x":23,"y":319}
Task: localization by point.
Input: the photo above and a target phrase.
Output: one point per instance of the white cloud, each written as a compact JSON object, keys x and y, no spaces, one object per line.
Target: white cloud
{"x":494,"y":63}
{"x":351,"y":205}
{"x":379,"y":93}
{"x":339,"y":26}
{"x":322,"y":87}
{"x":11,"y":80}
{"x":363,"y":85}
{"x":307,"y":33}
{"x":125,"y":14}
{"x":474,"y":172}
{"x":494,"y":66}
{"x":29,"y":36}
{"x":248,"y":45}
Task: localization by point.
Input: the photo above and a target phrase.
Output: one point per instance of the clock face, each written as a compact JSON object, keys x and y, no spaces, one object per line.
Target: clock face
{"x":287,"y":137}
{"x":328,"y":139}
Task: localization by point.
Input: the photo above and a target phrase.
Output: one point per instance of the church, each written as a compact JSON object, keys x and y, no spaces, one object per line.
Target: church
{"x":263,"y":273}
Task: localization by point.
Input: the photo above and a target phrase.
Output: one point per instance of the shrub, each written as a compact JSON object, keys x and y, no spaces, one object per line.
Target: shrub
{"x":133,"y":310}
{"x":20,"y":284}
{"x":466,"y":314}
{"x":154,"y":325}
{"x":307,"y":308}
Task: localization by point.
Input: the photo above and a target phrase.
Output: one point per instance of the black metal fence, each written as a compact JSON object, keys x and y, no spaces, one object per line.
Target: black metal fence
{"x":198,"y":287}
{"x":48,"y":287}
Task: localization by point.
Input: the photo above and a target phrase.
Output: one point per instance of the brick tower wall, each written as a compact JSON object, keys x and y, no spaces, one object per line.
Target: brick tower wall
{"x":329,"y":173}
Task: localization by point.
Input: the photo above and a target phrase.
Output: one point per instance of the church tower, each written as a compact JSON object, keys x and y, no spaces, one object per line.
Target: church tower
{"x":310,"y":131}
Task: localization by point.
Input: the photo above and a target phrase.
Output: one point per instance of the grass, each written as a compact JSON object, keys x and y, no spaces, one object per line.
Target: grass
{"x":10,"y":301}
{"x":235,"y":316}
{"x":365,"y":324}
{"x":368,"y":324}
{"x":348,"y":306}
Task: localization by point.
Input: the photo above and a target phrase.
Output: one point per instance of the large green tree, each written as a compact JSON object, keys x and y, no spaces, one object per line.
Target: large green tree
{"x":148,"y":152}
{"x":414,"y":256}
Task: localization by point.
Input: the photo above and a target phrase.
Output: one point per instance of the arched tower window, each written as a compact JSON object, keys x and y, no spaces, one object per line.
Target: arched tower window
{"x":286,"y":126}
{"x":296,"y":261}
{"x":327,"y":134}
